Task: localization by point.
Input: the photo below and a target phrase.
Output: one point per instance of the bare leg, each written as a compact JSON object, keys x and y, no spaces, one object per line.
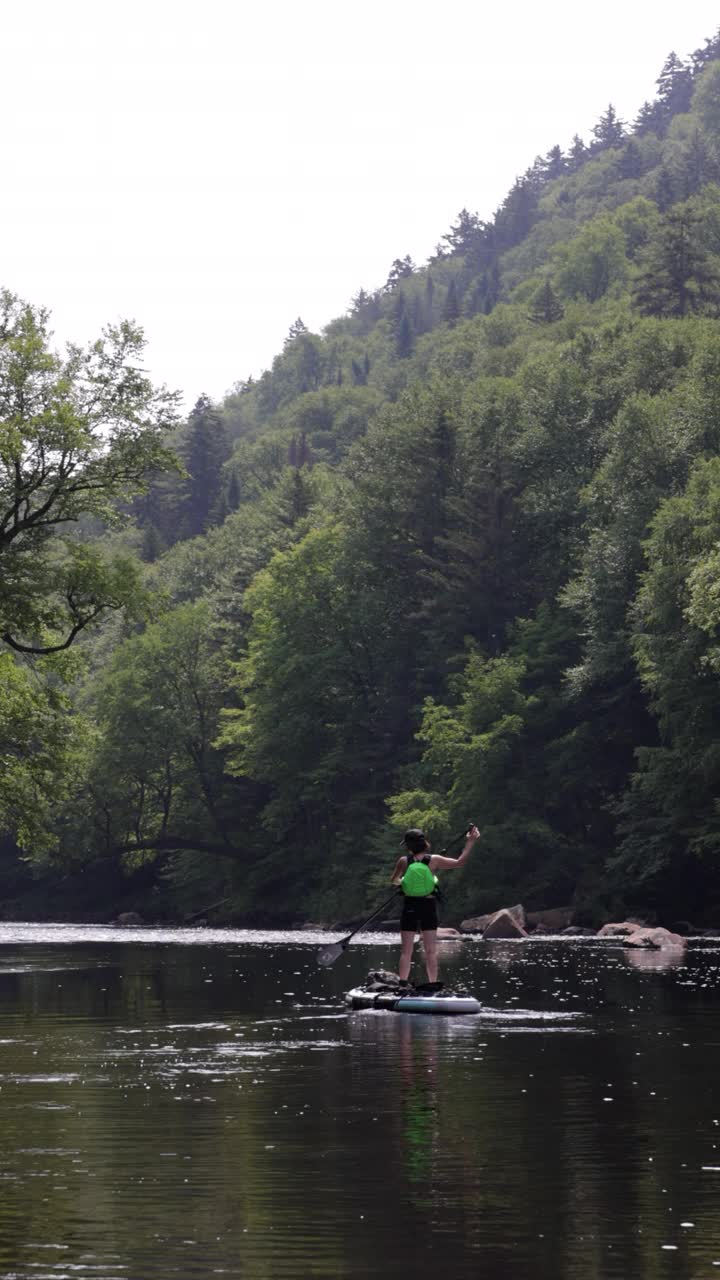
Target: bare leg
{"x":430,"y":948}
{"x":408,"y":941}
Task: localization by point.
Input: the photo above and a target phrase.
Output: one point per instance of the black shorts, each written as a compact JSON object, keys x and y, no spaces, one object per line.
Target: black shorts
{"x":419,"y":914}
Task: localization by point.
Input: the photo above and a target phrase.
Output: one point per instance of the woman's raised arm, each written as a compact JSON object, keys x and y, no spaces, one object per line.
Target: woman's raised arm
{"x":438,"y":862}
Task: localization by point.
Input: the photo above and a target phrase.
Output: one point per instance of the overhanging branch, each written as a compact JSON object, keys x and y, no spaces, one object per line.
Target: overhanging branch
{"x":43,"y":650}
{"x":178,"y":844}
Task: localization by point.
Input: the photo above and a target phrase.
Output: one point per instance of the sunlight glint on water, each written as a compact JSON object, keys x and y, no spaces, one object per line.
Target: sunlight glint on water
{"x":194,"y":1103}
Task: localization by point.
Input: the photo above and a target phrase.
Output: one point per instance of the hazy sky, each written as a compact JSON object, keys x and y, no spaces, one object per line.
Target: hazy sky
{"x":216,"y":169}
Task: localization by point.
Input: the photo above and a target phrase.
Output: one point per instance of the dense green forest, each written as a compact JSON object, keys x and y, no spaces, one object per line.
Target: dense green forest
{"x":456,"y":557}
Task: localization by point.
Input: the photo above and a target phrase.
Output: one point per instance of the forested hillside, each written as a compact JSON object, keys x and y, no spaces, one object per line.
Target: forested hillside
{"x":456,"y":557}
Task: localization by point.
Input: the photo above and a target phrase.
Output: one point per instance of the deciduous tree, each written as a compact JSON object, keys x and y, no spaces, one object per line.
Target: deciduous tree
{"x":80,"y":434}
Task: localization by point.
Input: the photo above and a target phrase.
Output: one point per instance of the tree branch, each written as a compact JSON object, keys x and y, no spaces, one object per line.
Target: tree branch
{"x":172,"y":844}
{"x":42,"y":650}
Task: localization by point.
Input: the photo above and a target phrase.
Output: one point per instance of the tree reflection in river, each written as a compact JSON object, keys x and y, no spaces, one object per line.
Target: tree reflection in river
{"x":194,"y":1109}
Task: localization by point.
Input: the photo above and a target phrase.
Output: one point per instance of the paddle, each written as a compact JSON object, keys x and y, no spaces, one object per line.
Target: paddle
{"x":459,"y":837}
{"x":330,"y":954}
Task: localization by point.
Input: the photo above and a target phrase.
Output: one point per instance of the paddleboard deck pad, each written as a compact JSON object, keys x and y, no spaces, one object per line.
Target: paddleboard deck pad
{"x":433,"y":998}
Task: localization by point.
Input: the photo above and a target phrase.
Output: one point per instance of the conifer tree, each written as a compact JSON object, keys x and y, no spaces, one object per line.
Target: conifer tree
{"x":400,"y":270}
{"x":404,"y":337}
{"x":665,"y":189}
{"x":609,"y":130}
{"x":709,"y":53}
{"x":299,"y":498}
{"x":304,"y":453}
{"x":701,"y":165}
{"x":545,"y":306}
{"x":365,"y":310}
{"x":555,"y":163}
{"x":490,"y":288}
{"x":429,"y":295}
{"x":205,"y":451}
{"x":678,"y":276}
{"x":360,"y":370}
{"x":675,"y":86}
{"x":578,"y":153}
{"x":631,"y":160}
{"x":649,"y":119}
{"x":451,"y":309}
{"x":463,"y":232}
{"x":233,"y":492}
{"x":417,"y":314}
{"x":162,"y":506}
{"x":482,"y":252}
{"x":404,"y":341}
{"x":296,"y":330}
{"x":517,"y":213}
{"x":152,"y":546}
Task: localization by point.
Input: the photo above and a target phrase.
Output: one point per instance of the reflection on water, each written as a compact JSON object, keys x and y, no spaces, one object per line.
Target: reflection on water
{"x":664,"y":958}
{"x":205,"y":1105}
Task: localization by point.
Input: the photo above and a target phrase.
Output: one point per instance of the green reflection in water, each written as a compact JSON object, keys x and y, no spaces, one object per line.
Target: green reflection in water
{"x":173,"y":1110}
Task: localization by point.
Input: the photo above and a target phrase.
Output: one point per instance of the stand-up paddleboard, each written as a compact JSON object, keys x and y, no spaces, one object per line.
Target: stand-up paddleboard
{"x":442,"y":1002}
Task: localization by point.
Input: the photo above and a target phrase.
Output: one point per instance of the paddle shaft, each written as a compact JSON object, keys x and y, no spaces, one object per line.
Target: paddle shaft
{"x":344,"y":941}
{"x":460,"y":836}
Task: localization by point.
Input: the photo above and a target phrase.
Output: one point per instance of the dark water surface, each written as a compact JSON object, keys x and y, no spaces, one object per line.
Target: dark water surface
{"x":198,"y":1103}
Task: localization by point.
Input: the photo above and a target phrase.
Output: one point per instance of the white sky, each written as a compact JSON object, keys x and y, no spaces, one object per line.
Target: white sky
{"x":214,"y":170}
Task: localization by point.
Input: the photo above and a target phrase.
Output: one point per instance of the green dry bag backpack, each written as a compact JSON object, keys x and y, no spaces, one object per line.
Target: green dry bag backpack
{"x":418,"y":881}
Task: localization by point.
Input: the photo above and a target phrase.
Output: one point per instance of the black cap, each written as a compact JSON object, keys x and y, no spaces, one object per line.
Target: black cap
{"x":415,"y":840}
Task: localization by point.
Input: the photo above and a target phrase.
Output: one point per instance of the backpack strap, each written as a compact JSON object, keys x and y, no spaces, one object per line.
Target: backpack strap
{"x":411,"y":859}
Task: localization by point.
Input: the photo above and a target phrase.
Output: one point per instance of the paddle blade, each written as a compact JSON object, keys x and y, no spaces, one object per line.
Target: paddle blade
{"x":330,"y":954}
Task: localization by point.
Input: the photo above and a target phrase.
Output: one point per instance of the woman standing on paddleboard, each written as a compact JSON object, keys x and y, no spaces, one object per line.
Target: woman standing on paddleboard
{"x":415,"y":873}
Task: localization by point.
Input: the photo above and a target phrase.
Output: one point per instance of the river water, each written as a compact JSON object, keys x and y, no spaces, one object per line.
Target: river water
{"x":199,"y":1103}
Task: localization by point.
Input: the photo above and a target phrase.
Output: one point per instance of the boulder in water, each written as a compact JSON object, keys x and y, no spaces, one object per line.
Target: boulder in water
{"x":479,"y":924}
{"x":656,"y":939}
{"x":620,"y":930}
{"x":504,"y":924}
{"x":633,"y":934}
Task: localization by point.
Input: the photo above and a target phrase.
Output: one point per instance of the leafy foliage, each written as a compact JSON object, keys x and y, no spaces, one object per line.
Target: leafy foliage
{"x":41,"y":754}
{"x":78,"y":434}
{"x":454,"y":557}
